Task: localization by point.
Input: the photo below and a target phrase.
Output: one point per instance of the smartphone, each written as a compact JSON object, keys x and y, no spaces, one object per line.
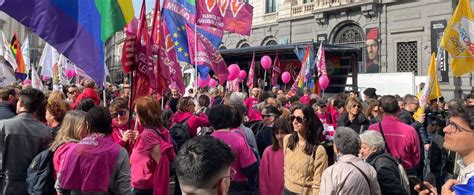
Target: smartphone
{"x":419,"y":182}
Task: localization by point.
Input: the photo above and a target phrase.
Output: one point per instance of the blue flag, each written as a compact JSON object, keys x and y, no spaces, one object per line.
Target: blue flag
{"x":177,"y":13}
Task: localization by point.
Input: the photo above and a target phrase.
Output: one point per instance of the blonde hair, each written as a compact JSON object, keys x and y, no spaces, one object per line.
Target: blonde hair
{"x":56,"y":96}
{"x":73,"y":128}
{"x":351,"y":102}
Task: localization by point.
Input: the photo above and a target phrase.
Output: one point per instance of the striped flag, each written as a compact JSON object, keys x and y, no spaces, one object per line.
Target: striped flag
{"x":20,"y":71}
{"x":77,"y":29}
{"x":251,"y":73}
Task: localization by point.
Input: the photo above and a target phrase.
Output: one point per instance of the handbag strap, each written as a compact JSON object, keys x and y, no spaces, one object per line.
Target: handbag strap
{"x":383,"y":136}
{"x":363,"y":174}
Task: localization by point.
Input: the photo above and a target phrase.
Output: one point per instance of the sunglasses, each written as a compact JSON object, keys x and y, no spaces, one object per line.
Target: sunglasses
{"x":299,"y":119}
{"x":375,"y":111}
{"x":119,"y":113}
{"x":266,"y":115}
{"x":355,"y":106}
{"x":72,"y":92}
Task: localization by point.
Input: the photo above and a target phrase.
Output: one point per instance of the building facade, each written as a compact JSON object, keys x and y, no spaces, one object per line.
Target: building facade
{"x":393,"y":35}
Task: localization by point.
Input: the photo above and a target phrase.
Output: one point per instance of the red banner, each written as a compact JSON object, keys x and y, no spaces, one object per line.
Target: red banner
{"x":229,"y":15}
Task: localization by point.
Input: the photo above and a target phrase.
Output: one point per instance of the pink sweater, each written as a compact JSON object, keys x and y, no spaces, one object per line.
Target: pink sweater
{"x":271,"y":179}
{"x":402,"y":140}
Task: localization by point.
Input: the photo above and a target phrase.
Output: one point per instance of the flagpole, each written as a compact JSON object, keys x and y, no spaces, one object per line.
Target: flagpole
{"x":264,"y":78}
{"x":195,"y":53}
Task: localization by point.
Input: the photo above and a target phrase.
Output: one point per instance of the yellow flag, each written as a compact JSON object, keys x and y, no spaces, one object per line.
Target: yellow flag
{"x":431,"y":90}
{"x":458,"y":39}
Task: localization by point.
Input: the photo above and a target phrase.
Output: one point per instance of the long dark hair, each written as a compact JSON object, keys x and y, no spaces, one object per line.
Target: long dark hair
{"x":283,"y":125}
{"x":313,"y":132}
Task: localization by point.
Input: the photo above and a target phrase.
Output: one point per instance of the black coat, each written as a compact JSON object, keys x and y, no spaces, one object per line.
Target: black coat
{"x":407,"y":118}
{"x":388,"y":174}
{"x":6,"y":111}
{"x":359,"y":124}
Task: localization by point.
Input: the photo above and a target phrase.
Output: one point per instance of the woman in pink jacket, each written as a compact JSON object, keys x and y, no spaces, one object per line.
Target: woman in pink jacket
{"x":186,"y":112}
{"x":124,"y":132}
{"x":152,"y":156}
{"x":271,"y":179}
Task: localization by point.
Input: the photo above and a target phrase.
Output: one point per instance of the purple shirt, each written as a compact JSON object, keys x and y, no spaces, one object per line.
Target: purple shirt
{"x":402,"y":140}
{"x":240,"y":148}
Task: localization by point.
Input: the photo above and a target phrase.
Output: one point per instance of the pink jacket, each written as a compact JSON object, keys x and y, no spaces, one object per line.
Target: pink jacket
{"x":271,"y":179}
{"x":117,"y":135}
{"x":193,"y":123}
{"x":402,"y":140}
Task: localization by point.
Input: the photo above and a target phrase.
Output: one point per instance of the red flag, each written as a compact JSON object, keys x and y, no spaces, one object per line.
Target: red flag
{"x":141,"y":78}
{"x":207,"y":54}
{"x":229,"y":15}
{"x":128,"y":50}
{"x":251,"y":73}
{"x":276,"y":70}
{"x":161,"y":72}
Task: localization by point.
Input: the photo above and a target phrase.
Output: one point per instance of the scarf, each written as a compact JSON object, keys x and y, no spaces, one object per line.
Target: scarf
{"x":89,"y":164}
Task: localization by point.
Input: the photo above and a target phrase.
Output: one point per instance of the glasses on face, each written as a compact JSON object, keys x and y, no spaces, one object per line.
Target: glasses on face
{"x":266,"y":115}
{"x":119,"y":113}
{"x":457,"y":128}
{"x":356,"y":106}
{"x":415,"y":103}
{"x":299,"y":119}
{"x":376,"y":111}
{"x":232,"y":174}
{"x":71,"y":92}
{"x":322,"y":106}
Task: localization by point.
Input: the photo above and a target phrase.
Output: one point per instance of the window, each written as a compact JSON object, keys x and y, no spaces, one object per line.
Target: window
{"x":271,"y":42}
{"x":244,"y":45}
{"x":270,"y":6}
{"x":307,"y":1}
{"x":407,"y":57}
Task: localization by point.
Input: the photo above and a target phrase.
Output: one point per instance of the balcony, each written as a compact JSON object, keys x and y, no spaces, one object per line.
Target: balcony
{"x":308,"y":8}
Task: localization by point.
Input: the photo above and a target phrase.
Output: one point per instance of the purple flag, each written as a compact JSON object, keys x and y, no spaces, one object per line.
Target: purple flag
{"x":206,"y":54}
{"x":229,"y":15}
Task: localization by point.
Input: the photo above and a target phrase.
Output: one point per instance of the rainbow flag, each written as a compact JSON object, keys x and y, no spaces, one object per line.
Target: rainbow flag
{"x":76,"y":28}
{"x":20,"y":72}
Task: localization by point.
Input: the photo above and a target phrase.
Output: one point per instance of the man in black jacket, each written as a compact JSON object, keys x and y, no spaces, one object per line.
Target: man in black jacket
{"x":406,"y":114}
{"x":21,"y":139}
{"x":7,"y":102}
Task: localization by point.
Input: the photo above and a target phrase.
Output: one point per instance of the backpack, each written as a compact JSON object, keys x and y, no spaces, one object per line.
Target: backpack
{"x":403,"y":175}
{"x":40,"y":178}
{"x":180,"y":133}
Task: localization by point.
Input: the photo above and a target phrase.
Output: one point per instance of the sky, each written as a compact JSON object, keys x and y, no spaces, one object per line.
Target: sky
{"x":137,"y":4}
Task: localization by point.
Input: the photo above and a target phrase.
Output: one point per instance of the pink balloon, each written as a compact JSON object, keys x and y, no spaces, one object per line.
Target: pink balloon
{"x":242,"y":74}
{"x":234,"y":71}
{"x":70,"y":73}
{"x":286,"y":77}
{"x":212,"y":83}
{"x":324,"y":82}
{"x":46,"y":78}
{"x":204,"y":83}
{"x":266,"y":62}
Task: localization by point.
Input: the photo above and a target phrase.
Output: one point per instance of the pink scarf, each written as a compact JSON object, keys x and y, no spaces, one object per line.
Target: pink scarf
{"x":89,"y":164}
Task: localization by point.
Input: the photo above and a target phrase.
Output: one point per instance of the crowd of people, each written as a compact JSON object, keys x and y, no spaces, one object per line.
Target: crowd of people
{"x":211,"y":141}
